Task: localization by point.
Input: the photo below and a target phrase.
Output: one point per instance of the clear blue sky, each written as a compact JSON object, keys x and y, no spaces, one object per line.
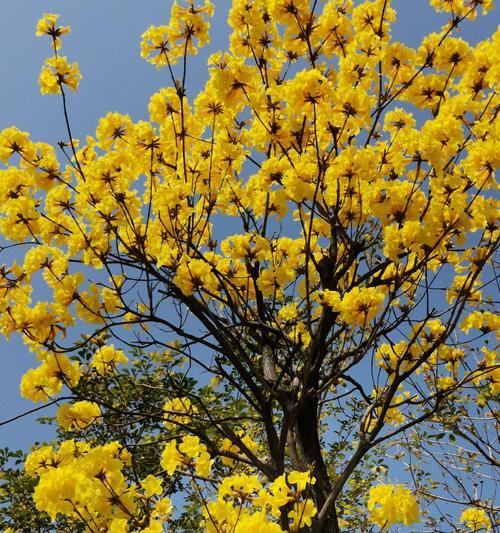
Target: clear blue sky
{"x":105,"y":42}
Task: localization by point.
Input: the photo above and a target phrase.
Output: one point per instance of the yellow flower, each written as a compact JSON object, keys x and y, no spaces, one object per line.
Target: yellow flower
{"x":78,"y":416}
{"x":40,"y":460}
{"x":42,"y":383}
{"x":195,"y":274}
{"x":397,"y":120}
{"x":446,"y":382}
{"x":56,"y":72}
{"x":155,"y":45}
{"x":191,"y":446}
{"x":152,"y":486}
{"x":228,"y":445}
{"x":164,"y":45}
{"x":482,"y":320}
{"x":280,"y":492}
{"x":115,"y":129}
{"x":203,"y":464}
{"x":163,"y":507}
{"x":171,"y":458}
{"x":301,"y":479}
{"x":359,"y":306}
{"x":178,"y":411}
{"x":118,"y":525}
{"x":83,"y":479}
{"x":391,"y":504}
{"x":301,"y":515}
{"x":475,"y":519}
{"x":47,"y":26}
{"x":106,"y":358}
{"x":14,"y":141}
{"x":240,"y":485}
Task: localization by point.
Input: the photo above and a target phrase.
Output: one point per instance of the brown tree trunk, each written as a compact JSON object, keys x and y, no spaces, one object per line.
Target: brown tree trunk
{"x":310,"y":450}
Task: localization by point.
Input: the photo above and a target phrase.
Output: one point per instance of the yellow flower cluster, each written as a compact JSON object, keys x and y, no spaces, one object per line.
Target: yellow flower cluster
{"x":393,"y":414}
{"x":392,"y":504}
{"x":42,"y":383}
{"x":475,"y":519}
{"x":82,"y":482}
{"x":244,"y":504}
{"x":192,"y":274}
{"x":56,"y":71}
{"x":47,"y":26}
{"x":229,"y":446}
{"x":178,"y":412}
{"x":189,"y":452}
{"x":461,"y":8}
{"x":312,"y":115}
{"x":397,"y":356}
{"x":482,"y":320}
{"x":88,"y":485}
{"x":78,"y":415}
{"x":488,"y":370}
{"x":152,"y":486}
{"x":358,"y":307}
{"x":106,"y":358}
{"x":164,"y":45}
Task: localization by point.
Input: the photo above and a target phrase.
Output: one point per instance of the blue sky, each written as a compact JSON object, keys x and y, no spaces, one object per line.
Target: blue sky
{"x":105,"y":41}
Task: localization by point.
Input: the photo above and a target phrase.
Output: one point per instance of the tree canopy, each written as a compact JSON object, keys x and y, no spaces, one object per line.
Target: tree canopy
{"x":271,"y":307}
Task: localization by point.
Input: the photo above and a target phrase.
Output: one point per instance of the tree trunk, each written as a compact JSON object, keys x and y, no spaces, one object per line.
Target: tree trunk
{"x":310,"y":450}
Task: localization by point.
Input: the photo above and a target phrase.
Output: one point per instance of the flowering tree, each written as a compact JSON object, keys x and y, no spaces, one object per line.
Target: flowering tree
{"x":285,"y":284}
